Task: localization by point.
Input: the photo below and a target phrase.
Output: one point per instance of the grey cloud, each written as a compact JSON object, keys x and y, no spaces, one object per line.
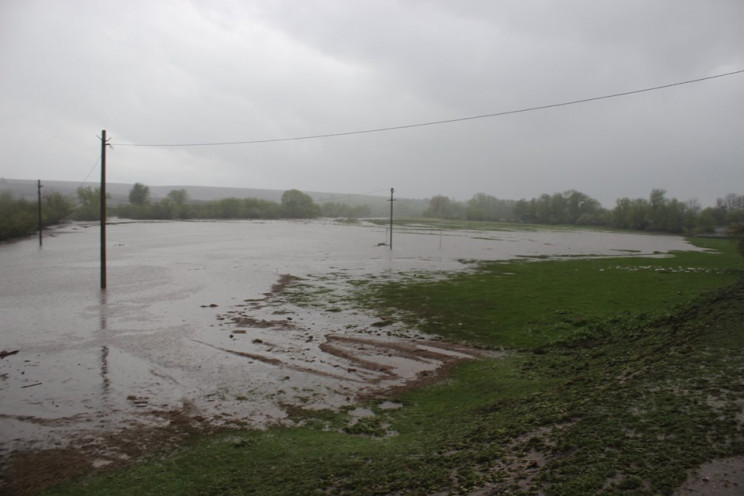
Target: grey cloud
{"x":172,"y":71}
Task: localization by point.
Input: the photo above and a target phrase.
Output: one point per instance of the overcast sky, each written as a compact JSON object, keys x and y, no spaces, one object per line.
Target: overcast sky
{"x":203,"y":71}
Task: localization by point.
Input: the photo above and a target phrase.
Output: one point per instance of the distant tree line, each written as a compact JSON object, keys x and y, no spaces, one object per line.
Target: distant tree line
{"x":176,"y":205}
{"x":657,"y":213}
{"x":20,"y":217}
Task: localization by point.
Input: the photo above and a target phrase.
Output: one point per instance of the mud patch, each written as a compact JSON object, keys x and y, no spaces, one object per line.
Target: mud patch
{"x":29,"y":471}
{"x":717,"y":478}
{"x":284,"y":281}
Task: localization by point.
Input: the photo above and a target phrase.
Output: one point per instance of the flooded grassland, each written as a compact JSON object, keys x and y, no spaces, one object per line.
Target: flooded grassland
{"x":193,"y":328}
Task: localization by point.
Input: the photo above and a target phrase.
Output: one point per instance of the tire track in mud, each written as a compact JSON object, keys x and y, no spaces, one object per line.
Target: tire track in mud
{"x":379,"y":363}
{"x":260,"y":358}
{"x":279,"y":363}
{"x":414,"y":357}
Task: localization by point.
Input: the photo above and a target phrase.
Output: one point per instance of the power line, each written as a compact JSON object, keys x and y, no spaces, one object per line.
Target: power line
{"x":95,"y":166}
{"x":445,"y":121}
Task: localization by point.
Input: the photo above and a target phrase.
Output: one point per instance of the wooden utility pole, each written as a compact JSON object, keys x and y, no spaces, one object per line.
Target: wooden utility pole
{"x":41,"y":224}
{"x":103,"y":209}
{"x":391,"y":200}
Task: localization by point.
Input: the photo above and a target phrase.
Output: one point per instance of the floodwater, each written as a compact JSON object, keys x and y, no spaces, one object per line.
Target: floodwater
{"x":193,"y":323}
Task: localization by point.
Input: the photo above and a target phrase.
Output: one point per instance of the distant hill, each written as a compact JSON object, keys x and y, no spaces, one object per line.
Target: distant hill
{"x":27,"y":188}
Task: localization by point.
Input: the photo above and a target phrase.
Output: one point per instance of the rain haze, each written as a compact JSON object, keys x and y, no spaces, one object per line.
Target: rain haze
{"x":196,"y":72}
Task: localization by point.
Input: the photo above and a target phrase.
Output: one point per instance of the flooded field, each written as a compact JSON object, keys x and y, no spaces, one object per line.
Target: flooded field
{"x":192,"y":327}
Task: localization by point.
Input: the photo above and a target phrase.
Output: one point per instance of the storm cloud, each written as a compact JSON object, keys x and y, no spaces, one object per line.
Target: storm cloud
{"x":195,"y":72}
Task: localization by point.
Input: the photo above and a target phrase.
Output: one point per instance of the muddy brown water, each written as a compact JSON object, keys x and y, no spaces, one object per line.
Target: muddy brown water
{"x":191,"y":321}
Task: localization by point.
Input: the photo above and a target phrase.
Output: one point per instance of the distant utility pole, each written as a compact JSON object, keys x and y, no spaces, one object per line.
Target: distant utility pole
{"x":41,"y":225}
{"x":104,"y":144}
{"x":391,"y":200}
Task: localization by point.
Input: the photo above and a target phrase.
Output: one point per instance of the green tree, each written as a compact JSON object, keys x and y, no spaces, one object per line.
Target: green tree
{"x":558,"y":209}
{"x":660,"y":214}
{"x":178,"y":196}
{"x":639,"y":215}
{"x":486,"y":207}
{"x":17,"y":217}
{"x":442,"y":207}
{"x":56,"y":207}
{"x":658,"y":211}
{"x":21,"y":217}
{"x":736,"y":231}
{"x":332,"y":209}
{"x":230,"y":208}
{"x":567,"y":207}
{"x":706,"y":221}
{"x":621,"y":212}
{"x":582,"y":209}
{"x":631,"y":214}
{"x":731,"y":209}
{"x":297,"y":205}
{"x":523,"y":211}
{"x":260,"y":209}
{"x":89,"y":203}
{"x":139,"y":194}
{"x":174,"y":205}
{"x":543,"y":209}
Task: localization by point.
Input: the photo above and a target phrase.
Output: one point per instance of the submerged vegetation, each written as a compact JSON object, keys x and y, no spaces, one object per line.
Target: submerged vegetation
{"x":620,"y":376}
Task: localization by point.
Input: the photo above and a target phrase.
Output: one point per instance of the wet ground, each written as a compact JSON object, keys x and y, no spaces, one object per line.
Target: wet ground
{"x":193,"y":326}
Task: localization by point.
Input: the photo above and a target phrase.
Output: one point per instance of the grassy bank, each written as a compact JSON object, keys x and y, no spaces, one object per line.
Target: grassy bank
{"x":622,"y":375}
{"x":522,"y":304}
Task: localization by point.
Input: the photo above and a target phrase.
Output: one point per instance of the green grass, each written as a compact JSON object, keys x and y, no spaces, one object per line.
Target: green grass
{"x":626,"y":379}
{"x":525,"y":304}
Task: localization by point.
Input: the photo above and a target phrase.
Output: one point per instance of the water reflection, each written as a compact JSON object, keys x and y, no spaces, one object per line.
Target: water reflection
{"x":103,"y":315}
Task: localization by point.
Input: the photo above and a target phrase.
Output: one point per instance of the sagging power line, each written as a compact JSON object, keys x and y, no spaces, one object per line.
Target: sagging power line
{"x":440,"y":122}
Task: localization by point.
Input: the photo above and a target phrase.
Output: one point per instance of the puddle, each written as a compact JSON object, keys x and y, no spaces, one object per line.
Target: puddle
{"x":390,"y":405}
{"x":361,"y":412}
